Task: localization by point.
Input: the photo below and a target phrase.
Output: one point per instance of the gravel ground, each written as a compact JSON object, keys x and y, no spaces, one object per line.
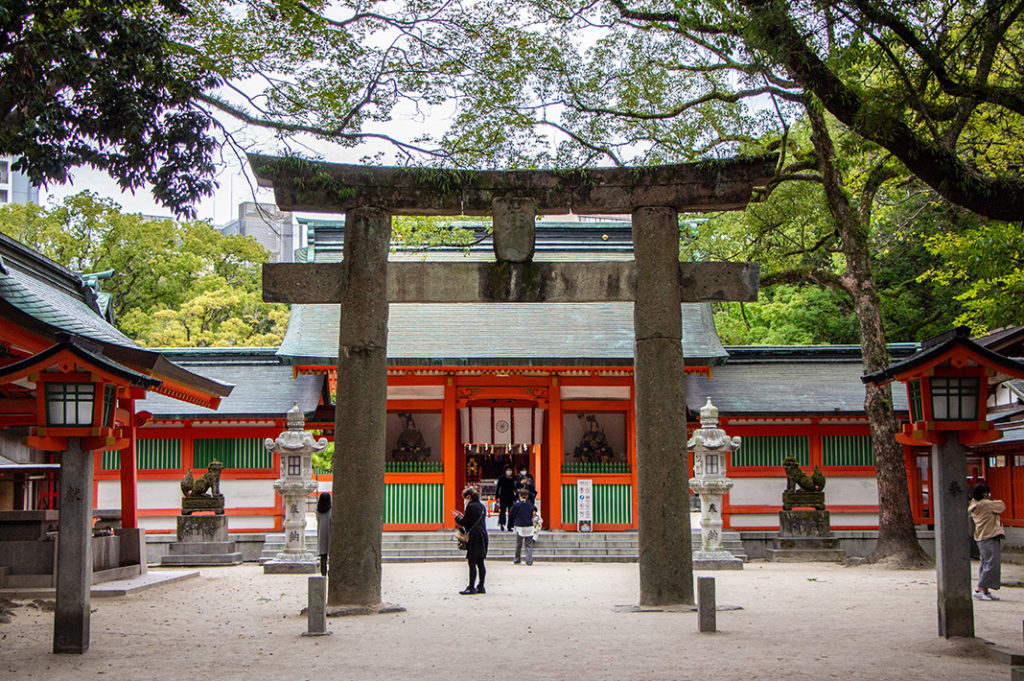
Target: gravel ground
{"x":546,"y":621}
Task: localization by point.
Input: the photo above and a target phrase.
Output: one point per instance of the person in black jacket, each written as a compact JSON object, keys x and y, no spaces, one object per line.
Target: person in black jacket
{"x":526,"y":482}
{"x":506,"y":497}
{"x":521,"y":518}
{"x":474,"y":520}
{"x":323,"y":529}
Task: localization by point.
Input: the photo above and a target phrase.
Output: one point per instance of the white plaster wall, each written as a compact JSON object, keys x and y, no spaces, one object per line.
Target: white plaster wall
{"x":415,"y":392}
{"x":594,"y":392}
{"x":739,"y":521}
{"x":167,"y":493}
{"x":159,"y":494}
{"x":853,"y":519}
{"x":851,"y":491}
{"x":245,"y":493}
{"x":161,"y":523}
{"x":757,"y":491}
{"x":252,"y":522}
{"x":108,"y":494}
{"x":844,"y":491}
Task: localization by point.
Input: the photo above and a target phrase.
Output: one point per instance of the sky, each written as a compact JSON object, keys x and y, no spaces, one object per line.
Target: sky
{"x":220,"y":209}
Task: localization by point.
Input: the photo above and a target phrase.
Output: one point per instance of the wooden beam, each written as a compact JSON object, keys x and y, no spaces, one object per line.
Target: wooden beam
{"x":492,"y":282}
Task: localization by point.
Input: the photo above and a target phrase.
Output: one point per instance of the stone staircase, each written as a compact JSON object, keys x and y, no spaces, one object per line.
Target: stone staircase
{"x":567,"y":547}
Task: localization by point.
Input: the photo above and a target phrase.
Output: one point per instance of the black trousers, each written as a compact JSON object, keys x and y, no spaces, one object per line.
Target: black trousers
{"x":503,"y":513}
{"x":475,"y":565}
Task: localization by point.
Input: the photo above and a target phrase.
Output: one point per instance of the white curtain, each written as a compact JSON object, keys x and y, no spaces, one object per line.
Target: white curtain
{"x":502,"y":425}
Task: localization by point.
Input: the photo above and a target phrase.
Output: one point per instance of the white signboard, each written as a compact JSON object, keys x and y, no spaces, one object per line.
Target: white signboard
{"x":585,"y":505}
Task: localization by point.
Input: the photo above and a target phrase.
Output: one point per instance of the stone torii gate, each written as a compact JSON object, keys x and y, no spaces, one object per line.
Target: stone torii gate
{"x":365,"y":282}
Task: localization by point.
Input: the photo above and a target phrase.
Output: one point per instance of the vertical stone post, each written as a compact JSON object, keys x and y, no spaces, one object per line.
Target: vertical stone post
{"x":74,"y":551}
{"x":706,"y":608}
{"x":316,"y":611}
{"x":360,"y":429}
{"x":666,"y":568}
{"x":952,"y":550}
{"x":515,"y":227}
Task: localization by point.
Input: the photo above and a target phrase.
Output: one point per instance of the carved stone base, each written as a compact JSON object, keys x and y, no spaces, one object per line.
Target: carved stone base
{"x":716,"y":560}
{"x":202,"y":540}
{"x":292,"y":564}
{"x":805,"y":536}
{"x":798,"y":498}
{"x":202,"y":528}
{"x":202,"y":503}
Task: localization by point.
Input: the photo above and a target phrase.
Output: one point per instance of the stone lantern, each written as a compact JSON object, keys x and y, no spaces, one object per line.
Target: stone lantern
{"x":296,"y":483}
{"x":710,"y":446}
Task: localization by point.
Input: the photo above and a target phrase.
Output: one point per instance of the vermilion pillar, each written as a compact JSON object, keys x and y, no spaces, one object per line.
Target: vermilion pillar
{"x":129,"y":471}
{"x":553,"y":512}
{"x":449,"y":453}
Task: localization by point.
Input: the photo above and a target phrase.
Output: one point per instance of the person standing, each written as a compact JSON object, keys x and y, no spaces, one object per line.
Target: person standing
{"x":521,"y":519}
{"x":473,"y":519}
{"x":323,"y":529}
{"x":506,"y":497}
{"x":988,"y":532}
{"x":525,"y":481}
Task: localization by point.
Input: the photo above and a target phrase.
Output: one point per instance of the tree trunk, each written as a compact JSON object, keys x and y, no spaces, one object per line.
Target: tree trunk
{"x":897,"y":537}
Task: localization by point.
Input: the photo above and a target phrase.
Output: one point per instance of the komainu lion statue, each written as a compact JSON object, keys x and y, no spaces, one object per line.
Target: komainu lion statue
{"x":210,"y":482}
{"x":795,"y":476}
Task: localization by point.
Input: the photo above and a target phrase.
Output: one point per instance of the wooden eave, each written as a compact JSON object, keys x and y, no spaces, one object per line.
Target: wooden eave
{"x":955,"y":348}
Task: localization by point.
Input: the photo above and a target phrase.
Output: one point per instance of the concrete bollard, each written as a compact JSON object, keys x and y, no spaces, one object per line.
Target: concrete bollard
{"x":317,"y":611}
{"x":706,"y":604}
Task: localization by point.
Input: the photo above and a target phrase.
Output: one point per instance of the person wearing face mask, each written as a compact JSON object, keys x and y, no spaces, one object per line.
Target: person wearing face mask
{"x":473,"y":519}
{"x":506,"y":497}
{"x":526,"y":482}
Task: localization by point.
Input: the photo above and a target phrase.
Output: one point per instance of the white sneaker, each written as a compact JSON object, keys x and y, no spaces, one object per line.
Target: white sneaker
{"x":992,"y":596}
{"x":982,"y":596}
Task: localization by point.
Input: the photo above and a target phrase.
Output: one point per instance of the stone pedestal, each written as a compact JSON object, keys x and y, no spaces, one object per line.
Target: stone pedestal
{"x":805,"y":537}
{"x":202,"y":540}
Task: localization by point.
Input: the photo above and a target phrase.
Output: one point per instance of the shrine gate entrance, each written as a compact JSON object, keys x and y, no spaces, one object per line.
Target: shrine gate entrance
{"x":656,"y":283}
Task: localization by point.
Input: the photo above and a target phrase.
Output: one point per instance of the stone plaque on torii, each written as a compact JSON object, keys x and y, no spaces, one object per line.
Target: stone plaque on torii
{"x":365,"y":282}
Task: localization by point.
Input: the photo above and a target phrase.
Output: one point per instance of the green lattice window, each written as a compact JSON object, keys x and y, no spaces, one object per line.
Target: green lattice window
{"x":233,"y":453}
{"x":847,"y":450}
{"x":770,"y":450}
{"x":111,"y":461}
{"x":916,"y":409}
{"x":159,"y":455}
{"x":152,"y":455}
{"x":413,"y":504}
{"x":613,"y":504}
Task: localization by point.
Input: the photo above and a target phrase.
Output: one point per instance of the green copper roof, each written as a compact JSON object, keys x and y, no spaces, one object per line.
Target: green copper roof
{"x":785,"y":386}
{"x":576,"y":334}
{"x":263,"y":387}
{"x":51,"y":294}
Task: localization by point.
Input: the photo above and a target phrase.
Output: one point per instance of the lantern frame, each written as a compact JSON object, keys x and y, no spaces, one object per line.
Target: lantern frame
{"x":98,"y":381}
{"x":935,"y":414}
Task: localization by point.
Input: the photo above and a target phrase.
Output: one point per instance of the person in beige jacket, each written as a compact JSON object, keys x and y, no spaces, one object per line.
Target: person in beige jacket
{"x":988,"y":532}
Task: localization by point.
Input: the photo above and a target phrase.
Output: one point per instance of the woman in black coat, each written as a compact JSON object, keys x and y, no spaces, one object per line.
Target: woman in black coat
{"x":323,"y":529}
{"x":475,"y":521}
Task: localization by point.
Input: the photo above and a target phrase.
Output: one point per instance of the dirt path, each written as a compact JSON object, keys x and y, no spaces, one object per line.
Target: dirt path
{"x":552,"y":621}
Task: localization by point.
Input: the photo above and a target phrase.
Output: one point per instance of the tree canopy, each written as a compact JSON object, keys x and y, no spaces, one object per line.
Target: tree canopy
{"x":132,"y":86}
{"x":173,"y":283}
{"x":95,"y":82}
